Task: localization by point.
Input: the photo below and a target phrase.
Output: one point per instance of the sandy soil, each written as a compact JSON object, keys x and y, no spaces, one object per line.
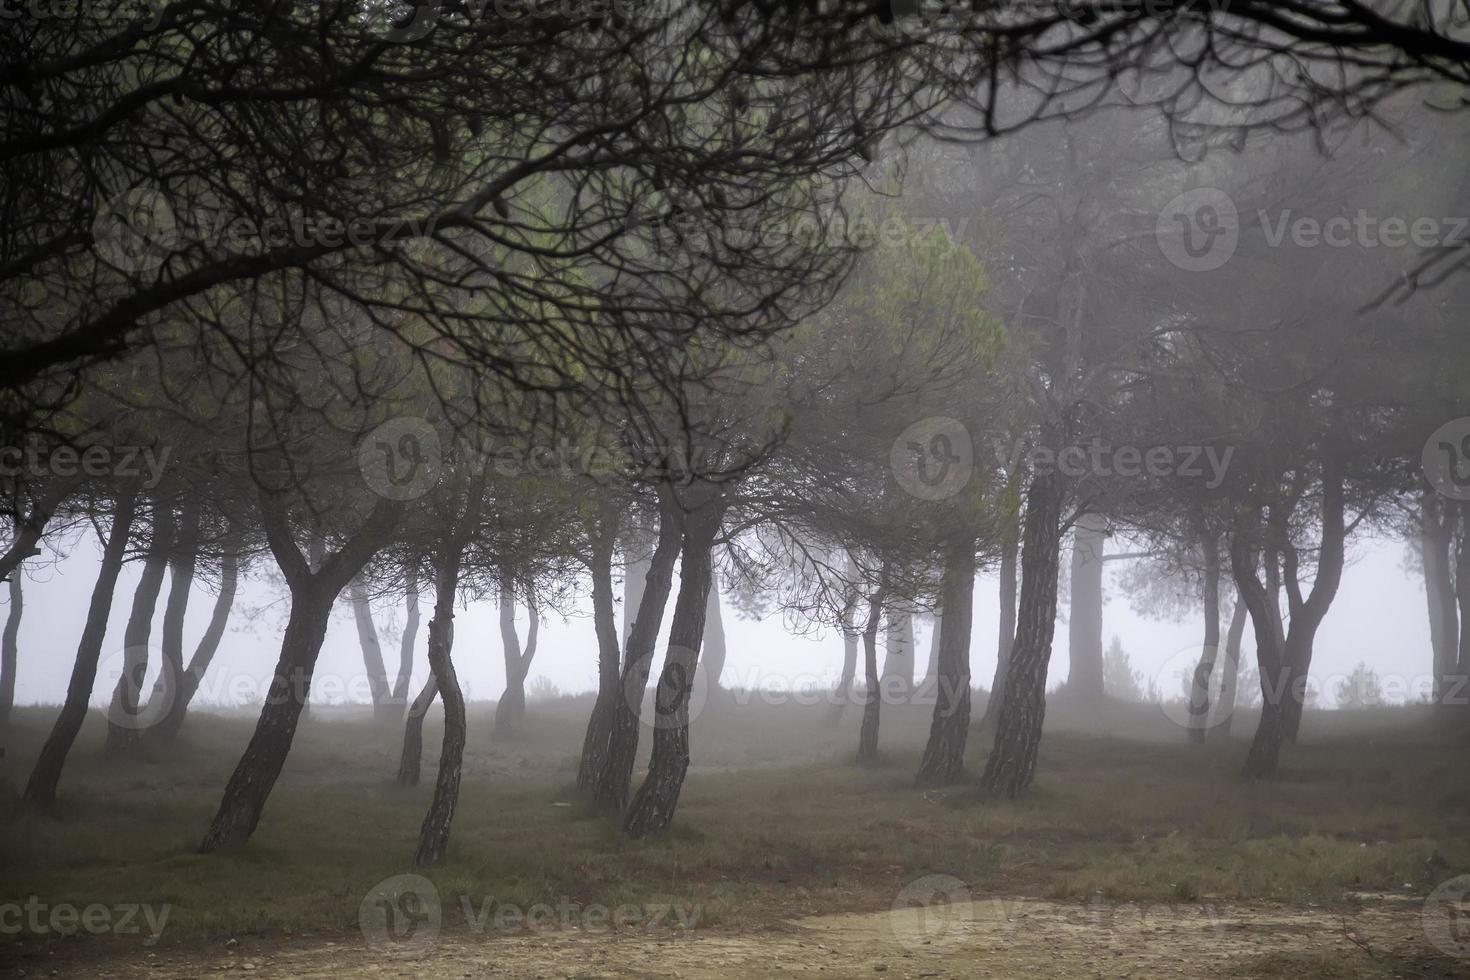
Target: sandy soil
{"x":990,"y":938}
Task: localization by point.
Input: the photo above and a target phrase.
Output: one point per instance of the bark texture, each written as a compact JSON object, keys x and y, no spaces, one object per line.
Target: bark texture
{"x":1012,"y":762}
{"x":943,"y":763}
{"x":124,"y":727}
{"x":410,"y":760}
{"x":601,"y":544}
{"x":434,"y":834}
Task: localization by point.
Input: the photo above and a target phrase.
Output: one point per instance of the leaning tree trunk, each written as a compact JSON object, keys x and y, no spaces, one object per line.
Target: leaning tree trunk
{"x":610,"y":792}
{"x":41,"y":788}
{"x":867,"y":753}
{"x":1436,"y":536}
{"x":712,"y":661}
{"x":609,"y":656}
{"x":1199,"y":688}
{"x":405,"y":645}
{"x":843,"y":693}
{"x":313,"y":593}
{"x":898,"y":661}
{"x":372,"y":653}
{"x":1012,"y":762}
{"x":171,"y":646}
{"x":1085,"y":674}
{"x":189,"y":680}
{"x":511,"y":708}
{"x":944,"y":756}
{"x":410,"y":760}
{"x":123,"y":723}
{"x":1006,"y":629}
{"x":10,"y":647}
{"x":652,"y":808}
{"x":1225,"y":710}
{"x":434,"y":834}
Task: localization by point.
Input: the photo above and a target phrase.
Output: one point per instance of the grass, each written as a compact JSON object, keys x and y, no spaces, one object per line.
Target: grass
{"x":773,"y":822}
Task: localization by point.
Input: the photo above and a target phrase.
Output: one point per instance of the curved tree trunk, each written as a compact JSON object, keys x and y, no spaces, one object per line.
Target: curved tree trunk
{"x":434,"y":834}
{"x":10,"y":647}
{"x":1085,"y":674}
{"x":867,"y":753}
{"x":944,"y":756}
{"x":1199,"y":688}
{"x":1225,"y":710}
{"x":611,"y":789}
{"x":1012,"y":762}
{"x":171,"y":646}
{"x":313,"y":593}
{"x":189,"y":680}
{"x":609,"y":656}
{"x":405,"y":645}
{"x":511,"y":708}
{"x":411,"y":759}
{"x":41,"y":788}
{"x":712,"y":660}
{"x":372,"y":653}
{"x":124,"y":725}
{"x":652,"y":808}
{"x":1006,"y":628}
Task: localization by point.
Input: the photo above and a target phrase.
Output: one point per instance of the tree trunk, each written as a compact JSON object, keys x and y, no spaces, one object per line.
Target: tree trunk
{"x":1012,"y":762}
{"x":1225,"y":710}
{"x":10,"y":647}
{"x":189,"y":681}
{"x":181,"y":580}
{"x":637,"y":554}
{"x":41,"y":788}
{"x":931,"y":668}
{"x":611,"y":790}
{"x":1436,"y":537}
{"x":944,"y":756}
{"x":372,"y":653}
{"x":1085,"y":676}
{"x":1006,"y":629}
{"x":1199,"y":688}
{"x":124,"y":724}
{"x":652,"y":808}
{"x":609,"y":656}
{"x":313,"y":593}
{"x":898,"y":663}
{"x":1281,"y":713}
{"x":867,"y":753}
{"x":843,"y":693}
{"x":713,"y":659}
{"x":1462,"y":596}
{"x":406,"y":644}
{"x":411,"y":759}
{"x":434,"y":834}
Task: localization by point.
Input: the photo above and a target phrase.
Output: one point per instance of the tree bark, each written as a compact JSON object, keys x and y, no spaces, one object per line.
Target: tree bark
{"x":1225,"y":710}
{"x":10,"y":647}
{"x":41,"y":788}
{"x":182,"y":564}
{"x":1199,"y":688}
{"x":1012,"y":762}
{"x":611,"y":789}
{"x":609,"y":657}
{"x":712,"y":661}
{"x":1085,"y":676}
{"x":843,"y":693}
{"x":1436,"y":536}
{"x":372,"y":653}
{"x":190,"y":679}
{"x":434,"y":834}
{"x":943,"y":763}
{"x":1462,"y":595}
{"x":411,"y":759}
{"x":406,"y":644}
{"x":124,"y":724}
{"x":1006,"y":629}
{"x":312,"y":595}
{"x":652,"y":808}
{"x":867,"y":753}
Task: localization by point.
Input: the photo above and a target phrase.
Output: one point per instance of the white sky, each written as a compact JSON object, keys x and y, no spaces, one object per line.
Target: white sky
{"x":1379,"y":617}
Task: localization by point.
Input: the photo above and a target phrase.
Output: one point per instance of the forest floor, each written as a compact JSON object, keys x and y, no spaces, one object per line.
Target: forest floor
{"x":1136,"y":855}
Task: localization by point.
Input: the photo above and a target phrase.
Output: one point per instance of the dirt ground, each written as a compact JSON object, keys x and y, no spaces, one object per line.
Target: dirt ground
{"x":988,"y":939}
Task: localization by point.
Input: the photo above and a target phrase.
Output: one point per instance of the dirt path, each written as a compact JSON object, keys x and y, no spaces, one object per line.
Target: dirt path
{"x":990,"y":939}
